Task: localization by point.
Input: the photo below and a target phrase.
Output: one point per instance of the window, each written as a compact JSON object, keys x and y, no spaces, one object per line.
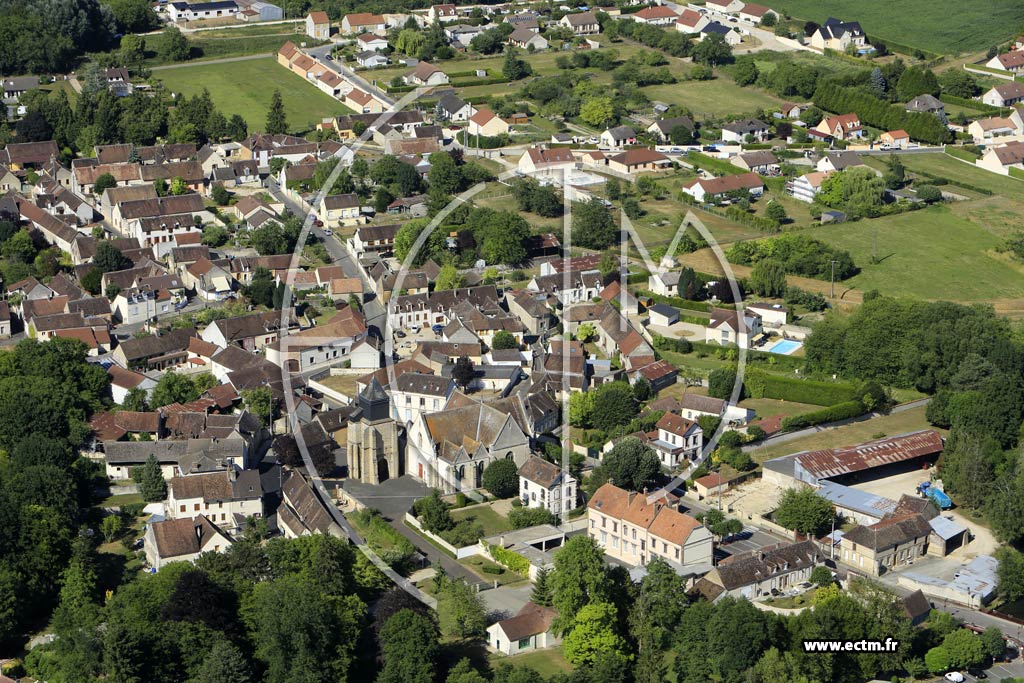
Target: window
{"x":615,"y":542}
{"x":615,"y":527}
{"x":524,"y":643}
{"x":196,"y":508}
{"x":181,"y":509}
{"x":593,"y":524}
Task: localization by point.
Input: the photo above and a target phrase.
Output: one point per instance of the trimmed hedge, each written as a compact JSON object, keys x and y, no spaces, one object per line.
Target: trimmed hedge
{"x":874,"y":112}
{"x":764,"y":385}
{"x":753,"y":220}
{"x":517,"y":563}
{"x":685,"y":304}
{"x":479,"y":81}
{"x":977,"y":105}
{"x":840,"y":411}
{"x":669,"y":344}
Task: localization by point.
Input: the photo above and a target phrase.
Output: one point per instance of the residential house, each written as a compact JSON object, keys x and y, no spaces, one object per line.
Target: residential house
{"x":376,"y":238}
{"x":141,"y":304}
{"x":581,"y":23}
{"x":18,"y":156}
{"x":895,"y":541}
{"x":544,"y":161}
{"x":302,"y":513}
{"x":894,"y":139}
{"x":755,"y":14}
{"x":1002,"y":158}
{"x":461,"y":35}
{"x":774,"y":317}
{"x":845,"y":127}
{"x":525,"y":39}
{"x":442,"y":13}
{"x":737,"y":131}
{"x":370,"y":59}
{"x":186,"y":11}
{"x":838,"y":161}
{"x":665,"y":284}
{"x":324,"y":345}
{"x":252,"y":332}
{"x":732,"y":327}
{"x":678,"y":442}
{"x":15,"y":87}
{"x":705,"y":189}
{"x":545,"y":485}
{"x":655,"y":15}
{"x":691,"y":21}
{"x":927,"y":103}
{"x":5,"y":320}
{"x":639,"y":160}
{"x":453,"y":108}
{"x":318,"y":26}
{"x":532,"y":309}
{"x":725,"y":6}
{"x":485,"y":122}
{"x":369,"y":41}
{"x":210,"y":280}
{"x":425,"y":73}
{"x":122,"y":381}
{"x":987,"y":130}
{"x":415,"y":206}
{"x":631,"y":528}
{"x":663,"y":127}
{"x":1012,"y":62}
{"x":792,"y":111}
{"x":662,"y":315}
{"x":762,"y":162}
{"x":529,"y":630}
{"x":838,"y":35}
{"x":765,"y":571}
{"x":226,"y":498}
{"x":155,"y":352}
{"x":339,"y":209}
{"x":1004,"y":94}
{"x":582,"y":286}
{"x":183,"y":540}
{"x":523,"y":20}
{"x":731,"y":36}
{"x":364,"y":22}
{"x":618,"y":137}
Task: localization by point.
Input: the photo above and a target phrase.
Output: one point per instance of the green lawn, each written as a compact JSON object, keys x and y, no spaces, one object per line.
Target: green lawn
{"x":717,"y":97}
{"x":492,"y":521}
{"x":476,"y":565}
{"x":545,"y":662}
{"x":960,"y":171}
{"x":858,"y":432}
{"x":765,"y":407}
{"x":943,"y":27}
{"x":931,"y":254}
{"x":245,"y":88}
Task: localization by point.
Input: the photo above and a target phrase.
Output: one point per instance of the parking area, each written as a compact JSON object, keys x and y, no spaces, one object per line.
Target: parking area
{"x":407,"y":340}
{"x":752,"y":497}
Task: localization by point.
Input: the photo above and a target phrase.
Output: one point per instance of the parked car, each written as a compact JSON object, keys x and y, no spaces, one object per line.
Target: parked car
{"x":438,"y":329}
{"x":977,"y":673}
{"x":400,"y":334}
{"x":955,"y":677}
{"x":415,"y":329}
{"x":328,"y":232}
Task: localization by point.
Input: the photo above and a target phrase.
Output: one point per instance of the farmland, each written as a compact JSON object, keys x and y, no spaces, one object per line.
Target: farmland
{"x":245,"y":87}
{"x":943,"y":27}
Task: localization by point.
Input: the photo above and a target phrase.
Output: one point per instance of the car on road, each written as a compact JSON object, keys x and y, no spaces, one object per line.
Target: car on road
{"x":438,"y":329}
{"x":955,"y":677}
{"x":328,"y":232}
{"x":328,"y":57}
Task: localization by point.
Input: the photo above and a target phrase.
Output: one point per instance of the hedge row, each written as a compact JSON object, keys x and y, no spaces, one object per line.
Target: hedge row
{"x":752,"y":219}
{"x":637,"y":278}
{"x":840,"y":411}
{"x":685,"y":304}
{"x":479,"y":81}
{"x":517,"y":563}
{"x":977,"y":105}
{"x":669,"y":344}
{"x":879,"y":114}
{"x":754,"y":356}
{"x":943,"y":180}
{"x":764,"y":385}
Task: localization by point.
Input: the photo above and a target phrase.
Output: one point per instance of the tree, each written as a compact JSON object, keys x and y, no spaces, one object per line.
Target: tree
{"x":594,"y":634}
{"x":151,"y":481}
{"x":712,"y":51}
{"x":103,"y":183}
{"x":259,"y":402}
{"x":215,"y":235}
{"x":444,"y":175}
{"x":776,"y":212}
{"x":238,"y":129}
{"x":581,"y":408}
{"x":300,"y":633}
{"x":964,"y":648}
{"x":580,"y":578}
{"x":112,"y":526}
{"x":220,"y":196}
{"x":463,"y":372}
{"x":224,"y":663}
{"x":501,"y":478}
{"x":597,"y":111}
{"x":592,"y":225}
{"x":173,"y":46}
{"x":804,"y":511}
{"x":409,"y":647}
{"x":959,"y":83}
{"x":174,"y":387}
{"x":642,"y":390}
{"x":613,"y":405}
{"x":541,"y":593}
{"x":993,"y":643}
{"x":928,"y":193}
{"x":514,"y":68}
{"x":19,"y":247}
{"x":821,"y":576}
{"x":463,"y":672}
{"x":433,"y":512}
{"x":460,"y":610}
{"x":109,"y":258}
{"x":745,"y":71}
{"x":1010,"y":572}
{"x":504,"y":340}
{"x":277,"y":121}
{"x":878,"y":84}
{"x":768,"y":278}
{"x":136,"y":400}
{"x":721,"y":383}
{"x":632,"y":465}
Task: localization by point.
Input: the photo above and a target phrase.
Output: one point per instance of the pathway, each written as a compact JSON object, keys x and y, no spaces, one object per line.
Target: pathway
{"x":203,"y":62}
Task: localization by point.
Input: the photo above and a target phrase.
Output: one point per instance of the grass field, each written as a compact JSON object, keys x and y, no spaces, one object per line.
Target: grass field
{"x":545,"y":662}
{"x":251,"y":40}
{"x":944,"y":27}
{"x":714,"y":98}
{"x":245,"y":88}
{"x":766,"y":407}
{"x":932,"y":254}
{"x":493,"y":522}
{"x":858,"y":432}
{"x":956,"y":170}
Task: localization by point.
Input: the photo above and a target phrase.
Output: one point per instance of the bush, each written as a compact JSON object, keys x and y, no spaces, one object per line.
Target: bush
{"x":840,"y":411}
{"x":721,"y":383}
{"x":466,"y":532}
{"x":501,"y":478}
{"x":760,"y":384}
{"x":514,"y":561}
{"x":756,"y":432}
{"x":392,"y":547}
{"x":523,"y":517}
{"x":676,"y":345}
{"x":488,"y":569}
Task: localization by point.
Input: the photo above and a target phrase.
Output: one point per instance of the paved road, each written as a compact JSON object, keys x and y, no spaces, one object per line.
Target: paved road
{"x":348,"y":74}
{"x":790,"y":436}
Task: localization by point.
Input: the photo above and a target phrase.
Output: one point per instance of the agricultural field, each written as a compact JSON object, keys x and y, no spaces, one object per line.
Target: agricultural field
{"x":932,"y":254}
{"x":245,"y":87}
{"x":942,"y":27}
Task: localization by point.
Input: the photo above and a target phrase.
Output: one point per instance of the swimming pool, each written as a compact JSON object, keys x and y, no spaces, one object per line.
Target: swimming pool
{"x":784,"y":347}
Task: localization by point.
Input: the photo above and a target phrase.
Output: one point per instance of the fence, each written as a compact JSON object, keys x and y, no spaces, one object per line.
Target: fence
{"x":459,"y":553}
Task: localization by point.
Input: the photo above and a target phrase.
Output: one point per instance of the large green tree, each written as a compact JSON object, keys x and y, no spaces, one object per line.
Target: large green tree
{"x":803,"y":510}
{"x":632,"y":465}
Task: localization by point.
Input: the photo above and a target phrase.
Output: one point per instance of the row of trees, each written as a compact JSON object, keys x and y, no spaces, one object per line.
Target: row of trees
{"x":880,"y":114}
{"x":798,"y":254}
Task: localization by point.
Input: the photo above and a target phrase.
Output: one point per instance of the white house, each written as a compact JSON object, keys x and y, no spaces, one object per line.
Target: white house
{"x":545,"y":485}
{"x":838,"y":35}
{"x":1012,"y":61}
{"x":730,"y":327}
{"x":371,"y":59}
{"x":755,"y":14}
{"x":414,"y":394}
{"x":617,"y":137}
{"x":226,"y":497}
{"x":528,"y":630}
{"x":364,"y":22}
{"x":182,"y":540}
{"x":369,"y":41}
{"x":737,"y":131}
{"x":524,"y":39}
{"x":662,"y":315}
{"x":725,"y":6}
{"x":679,"y":440}
{"x":425,"y":73}
{"x":454,"y":108}
{"x":543,"y":161}
{"x":656,"y":15}
{"x":665,"y":284}
{"x":581,"y":23}
{"x":703,"y":189}
{"x":691,"y":21}
{"x":318,"y":26}
{"x":485,"y":122}
{"x":773,"y":316}
{"x":1004,"y":94}
{"x":339,"y":209}
{"x":1002,"y":158}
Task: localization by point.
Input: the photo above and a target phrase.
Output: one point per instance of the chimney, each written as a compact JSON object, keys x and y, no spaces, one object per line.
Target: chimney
{"x":760,"y":556}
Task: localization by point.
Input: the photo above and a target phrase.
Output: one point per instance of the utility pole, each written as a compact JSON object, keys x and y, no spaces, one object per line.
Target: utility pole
{"x":874,"y":250}
{"x":833,"y":282}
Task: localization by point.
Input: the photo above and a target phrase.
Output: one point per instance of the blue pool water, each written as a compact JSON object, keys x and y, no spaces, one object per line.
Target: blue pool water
{"x":784,"y":347}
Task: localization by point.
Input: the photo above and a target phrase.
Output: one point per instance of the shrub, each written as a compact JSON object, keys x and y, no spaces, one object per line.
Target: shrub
{"x":501,"y":478}
{"x":466,"y":532}
{"x":840,"y":411}
{"x":523,"y":517}
{"x":760,"y":384}
{"x":514,"y":561}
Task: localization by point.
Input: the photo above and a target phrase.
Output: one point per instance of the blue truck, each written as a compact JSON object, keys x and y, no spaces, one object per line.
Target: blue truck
{"x":936,"y":495}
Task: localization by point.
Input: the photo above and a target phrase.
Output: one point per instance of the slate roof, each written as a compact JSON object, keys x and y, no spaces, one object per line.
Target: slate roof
{"x":179,"y":537}
{"x":531,"y":620}
{"x":889,"y":532}
{"x":540,"y":471}
{"x":757,"y":565}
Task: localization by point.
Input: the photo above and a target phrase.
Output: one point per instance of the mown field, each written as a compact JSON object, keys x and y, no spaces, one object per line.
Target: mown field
{"x":943,"y":26}
{"x":245,"y":88}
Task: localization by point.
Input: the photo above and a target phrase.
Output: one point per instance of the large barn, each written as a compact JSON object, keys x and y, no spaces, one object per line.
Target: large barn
{"x":850,"y":464}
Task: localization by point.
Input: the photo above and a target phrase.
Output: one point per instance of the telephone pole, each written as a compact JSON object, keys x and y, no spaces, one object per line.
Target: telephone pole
{"x":833,"y":282}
